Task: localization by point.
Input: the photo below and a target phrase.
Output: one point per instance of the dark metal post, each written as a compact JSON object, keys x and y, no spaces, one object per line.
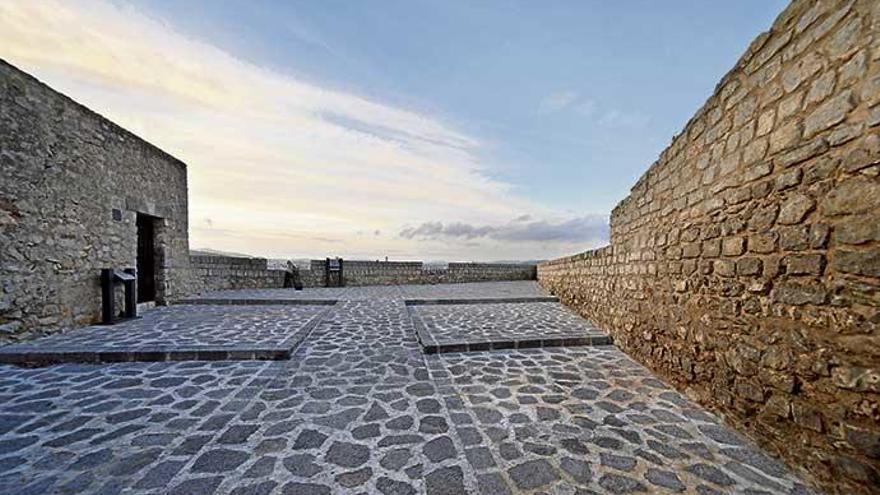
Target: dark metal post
{"x":327,"y":272}
{"x":341,"y":274}
{"x":108,"y":303}
{"x":131,"y":293}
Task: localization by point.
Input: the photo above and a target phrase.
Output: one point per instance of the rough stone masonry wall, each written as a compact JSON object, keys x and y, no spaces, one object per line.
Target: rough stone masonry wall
{"x":413,"y":272}
{"x":211,"y":273}
{"x":63,"y":170}
{"x":215,"y":272}
{"x":745,"y":264}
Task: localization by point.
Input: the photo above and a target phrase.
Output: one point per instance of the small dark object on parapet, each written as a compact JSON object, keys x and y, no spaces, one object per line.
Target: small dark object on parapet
{"x":334,"y":274}
{"x":111,"y":277}
{"x":292,"y":277}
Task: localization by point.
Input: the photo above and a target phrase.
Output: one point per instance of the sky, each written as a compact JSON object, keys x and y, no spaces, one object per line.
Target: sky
{"x":414,"y":129}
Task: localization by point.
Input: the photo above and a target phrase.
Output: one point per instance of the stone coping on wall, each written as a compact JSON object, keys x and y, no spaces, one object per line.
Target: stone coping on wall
{"x":479,"y":300}
{"x":578,"y":333}
{"x":57,"y":349}
{"x":257,"y":301}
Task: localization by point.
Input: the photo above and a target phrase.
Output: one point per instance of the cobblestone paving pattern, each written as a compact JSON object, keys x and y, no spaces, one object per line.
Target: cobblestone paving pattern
{"x":359,"y":409}
{"x":475,"y":290}
{"x":277,"y":294}
{"x":501,"y":322}
{"x":591,"y":420}
{"x":187,"y":326}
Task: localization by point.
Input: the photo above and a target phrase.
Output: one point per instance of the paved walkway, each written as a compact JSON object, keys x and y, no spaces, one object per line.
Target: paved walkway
{"x":359,"y":408}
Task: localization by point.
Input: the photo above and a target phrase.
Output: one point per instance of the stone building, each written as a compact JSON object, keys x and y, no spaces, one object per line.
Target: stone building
{"x":78,"y":194}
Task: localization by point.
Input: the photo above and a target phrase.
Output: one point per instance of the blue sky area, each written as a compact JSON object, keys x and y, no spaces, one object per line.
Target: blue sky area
{"x":574,"y":99}
{"x":416,"y":129}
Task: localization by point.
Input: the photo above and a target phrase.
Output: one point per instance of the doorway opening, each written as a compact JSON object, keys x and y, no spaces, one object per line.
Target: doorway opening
{"x":146,"y":258}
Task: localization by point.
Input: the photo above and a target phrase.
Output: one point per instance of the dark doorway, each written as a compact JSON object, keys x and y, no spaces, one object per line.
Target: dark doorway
{"x":146,"y":258}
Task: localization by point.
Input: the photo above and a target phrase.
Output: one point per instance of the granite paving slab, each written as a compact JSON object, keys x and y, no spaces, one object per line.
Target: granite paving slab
{"x":480,"y":327}
{"x":123,"y":428}
{"x":475,"y":291}
{"x":289,"y":296}
{"x":175,"y":333}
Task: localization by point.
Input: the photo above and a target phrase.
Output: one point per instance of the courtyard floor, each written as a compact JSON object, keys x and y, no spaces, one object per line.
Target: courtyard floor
{"x":360,"y":407}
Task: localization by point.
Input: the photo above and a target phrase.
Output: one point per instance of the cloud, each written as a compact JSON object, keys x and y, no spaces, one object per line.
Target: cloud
{"x":621,"y":119}
{"x":571,"y":101}
{"x":281,"y":166}
{"x":586,"y":108}
{"x":555,"y":102}
{"x":589,"y":228}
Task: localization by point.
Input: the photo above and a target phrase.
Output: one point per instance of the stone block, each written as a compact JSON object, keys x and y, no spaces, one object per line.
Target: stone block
{"x":711,"y":248}
{"x":725,"y":268}
{"x":763,"y":243}
{"x":799,"y":294}
{"x":844,"y":41}
{"x":820,"y":169}
{"x":795,"y":209}
{"x":863,"y":441}
{"x":821,"y":88}
{"x":789,"y":179}
{"x":854,"y":195}
{"x":829,"y":113}
{"x":804,"y":264}
{"x":795,"y":238}
{"x":819,"y":233}
{"x":733,"y":246}
{"x":857,"y":229}
{"x":856,"y":378}
{"x":807,"y":416}
{"x":801,"y":70}
{"x":802,"y":154}
{"x":786,"y":136}
{"x":756,"y":171}
{"x":864,"y":262}
{"x":765,"y":122}
{"x":691,"y":250}
{"x":864,"y":156}
{"x":749,"y":266}
{"x":763,"y":218}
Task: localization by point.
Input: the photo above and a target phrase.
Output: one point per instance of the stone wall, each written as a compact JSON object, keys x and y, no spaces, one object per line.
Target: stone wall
{"x":211,"y":273}
{"x":214,"y":272}
{"x":71,"y":185}
{"x":744,"y":266}
{"x":414,"y":272}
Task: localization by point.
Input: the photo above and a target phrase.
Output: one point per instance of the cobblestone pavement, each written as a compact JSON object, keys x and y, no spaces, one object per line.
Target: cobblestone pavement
{"x":475,"y":290}
{"x":538,"y":324}
{"x":182,"y":329}
{"x":360,"y":409}
{"x":317,"y":293}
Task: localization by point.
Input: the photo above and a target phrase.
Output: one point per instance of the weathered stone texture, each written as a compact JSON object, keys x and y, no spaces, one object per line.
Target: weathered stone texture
{"x":754,"y":283}
{"x":215,"y":272}
{"x":210,"y":273}
{"x":63,"y":171}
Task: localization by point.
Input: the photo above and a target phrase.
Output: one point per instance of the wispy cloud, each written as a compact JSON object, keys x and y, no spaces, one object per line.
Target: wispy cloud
{"x":618,"y":118}
{"x":279,"y":166}
{"x":555,"y":102}
{"x":587,"y":108}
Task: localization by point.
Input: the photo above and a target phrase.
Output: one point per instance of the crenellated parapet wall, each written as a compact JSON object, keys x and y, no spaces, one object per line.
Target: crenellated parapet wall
{"x":744,"y":265}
